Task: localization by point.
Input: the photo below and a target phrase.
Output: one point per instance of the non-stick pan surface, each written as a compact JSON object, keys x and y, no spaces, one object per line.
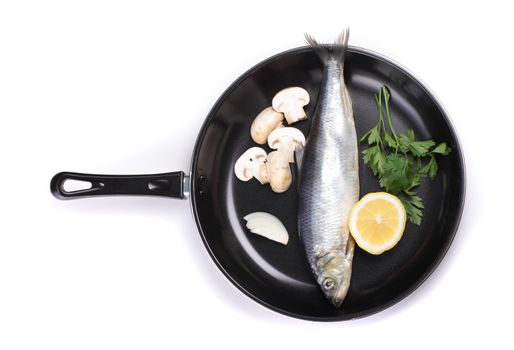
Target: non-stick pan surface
{"x":278,"y":276}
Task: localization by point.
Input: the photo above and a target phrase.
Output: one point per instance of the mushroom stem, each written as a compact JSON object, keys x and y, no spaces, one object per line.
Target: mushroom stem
{"x":285,"y":140}
{"x":290,"y":101}
{"x":287,"y":148}
{"x":262,"y":175}
{"x":293,"y":113}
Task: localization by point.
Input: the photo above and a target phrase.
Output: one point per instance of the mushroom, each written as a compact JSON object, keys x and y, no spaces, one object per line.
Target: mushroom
{"x":252,"y":163}
{"x":286,"y":140}
{"x":290,"y":101}
{"x":279,"y":172}
{"x":267,"y":121}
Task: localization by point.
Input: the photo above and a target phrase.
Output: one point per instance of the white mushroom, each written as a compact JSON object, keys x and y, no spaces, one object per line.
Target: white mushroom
{"x":267,"y":121}
{"x":286,"y":140}
{"x":279,"y":172}
{"x":252,"y":163}
{"x":290,"y":101}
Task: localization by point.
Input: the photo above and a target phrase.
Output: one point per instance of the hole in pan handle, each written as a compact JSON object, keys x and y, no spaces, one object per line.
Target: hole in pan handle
{"x":163,"y":185}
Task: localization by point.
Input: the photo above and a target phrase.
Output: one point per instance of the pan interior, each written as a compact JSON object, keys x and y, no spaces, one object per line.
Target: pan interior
{"x":276,"y":275}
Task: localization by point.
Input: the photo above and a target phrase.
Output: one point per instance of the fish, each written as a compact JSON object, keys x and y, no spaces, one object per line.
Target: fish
{"x":328,"y":184}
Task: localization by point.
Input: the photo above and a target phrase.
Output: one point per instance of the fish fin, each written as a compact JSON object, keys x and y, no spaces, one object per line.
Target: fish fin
{"x":330,"y":52}
{"x":322,"y":50}
{"x":350,"y":248}
{"x":341,"y":44}
{"x":347,"y":104}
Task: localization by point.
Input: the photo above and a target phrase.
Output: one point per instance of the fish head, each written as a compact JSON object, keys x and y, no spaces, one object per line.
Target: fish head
{"x":335,"y":276}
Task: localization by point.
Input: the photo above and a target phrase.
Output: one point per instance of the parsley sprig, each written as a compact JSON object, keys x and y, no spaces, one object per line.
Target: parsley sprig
{"x":399,"y":160}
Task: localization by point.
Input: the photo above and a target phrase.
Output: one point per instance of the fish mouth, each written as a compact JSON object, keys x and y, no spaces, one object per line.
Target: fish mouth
{"x":336,"y":302}
{"x":338,"y":297}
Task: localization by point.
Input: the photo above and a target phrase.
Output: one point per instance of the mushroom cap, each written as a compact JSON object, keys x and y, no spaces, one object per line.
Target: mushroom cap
{"x":264,"y":124}
{"x":288,"y":95}
{"x":287,"y":133}
{"x":248,"y":164}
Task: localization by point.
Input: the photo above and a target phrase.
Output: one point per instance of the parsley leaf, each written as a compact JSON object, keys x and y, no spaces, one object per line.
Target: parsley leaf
{"x":397,"y":173}
{"x":413,"y":206}
{"x":420,"y":148}
{"x":399,"y":161}
{"x":430,"y":168}
{"x":442,"y":148}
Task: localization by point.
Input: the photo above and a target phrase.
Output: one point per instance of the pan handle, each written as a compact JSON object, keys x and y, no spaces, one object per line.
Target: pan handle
{"x":163,"y":185}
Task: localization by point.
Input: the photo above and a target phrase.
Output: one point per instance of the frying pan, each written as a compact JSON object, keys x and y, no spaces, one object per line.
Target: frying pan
{"x":278,"y":276}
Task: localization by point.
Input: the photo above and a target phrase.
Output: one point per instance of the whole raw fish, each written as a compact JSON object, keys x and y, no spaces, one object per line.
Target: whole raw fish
{"x":329,"y":177}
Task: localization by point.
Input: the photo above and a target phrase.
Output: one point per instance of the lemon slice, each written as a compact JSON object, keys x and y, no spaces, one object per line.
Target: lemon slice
{"x":377,"y":222}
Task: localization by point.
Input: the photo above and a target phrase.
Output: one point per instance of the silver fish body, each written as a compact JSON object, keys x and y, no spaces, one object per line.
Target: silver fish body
{"x":329,"y":178}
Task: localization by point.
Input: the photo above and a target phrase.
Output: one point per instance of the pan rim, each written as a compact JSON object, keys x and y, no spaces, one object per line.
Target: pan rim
{"x":423,"y":277}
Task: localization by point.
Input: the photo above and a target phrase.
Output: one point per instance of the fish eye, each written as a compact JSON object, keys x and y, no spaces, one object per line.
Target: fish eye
{"x":328,"y":284}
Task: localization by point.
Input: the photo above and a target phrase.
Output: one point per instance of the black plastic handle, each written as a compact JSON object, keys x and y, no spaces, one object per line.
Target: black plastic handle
{"x":164,"y":185}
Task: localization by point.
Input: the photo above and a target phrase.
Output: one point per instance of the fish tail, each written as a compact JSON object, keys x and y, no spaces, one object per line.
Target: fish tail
{"x":329,"y":52}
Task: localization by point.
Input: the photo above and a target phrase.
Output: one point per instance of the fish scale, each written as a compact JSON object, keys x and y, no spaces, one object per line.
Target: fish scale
{"x":329,"y":177}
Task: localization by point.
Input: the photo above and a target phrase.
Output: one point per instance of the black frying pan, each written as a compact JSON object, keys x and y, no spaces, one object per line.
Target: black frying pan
{"x":278,"y":276}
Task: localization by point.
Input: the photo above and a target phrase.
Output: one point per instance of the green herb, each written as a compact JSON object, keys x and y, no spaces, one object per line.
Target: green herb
{"x":399,"y":161}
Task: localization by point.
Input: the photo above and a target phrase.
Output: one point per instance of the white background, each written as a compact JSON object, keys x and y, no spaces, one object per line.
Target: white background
{"x":124,"y":86}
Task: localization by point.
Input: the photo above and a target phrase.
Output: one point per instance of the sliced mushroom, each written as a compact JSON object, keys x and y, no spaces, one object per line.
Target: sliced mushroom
{"x":267,"y":121}
{"x":286,"y":140}
{"x":279,"y":172}
{"x":252,"y":163}
{"x":290,"y":101}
